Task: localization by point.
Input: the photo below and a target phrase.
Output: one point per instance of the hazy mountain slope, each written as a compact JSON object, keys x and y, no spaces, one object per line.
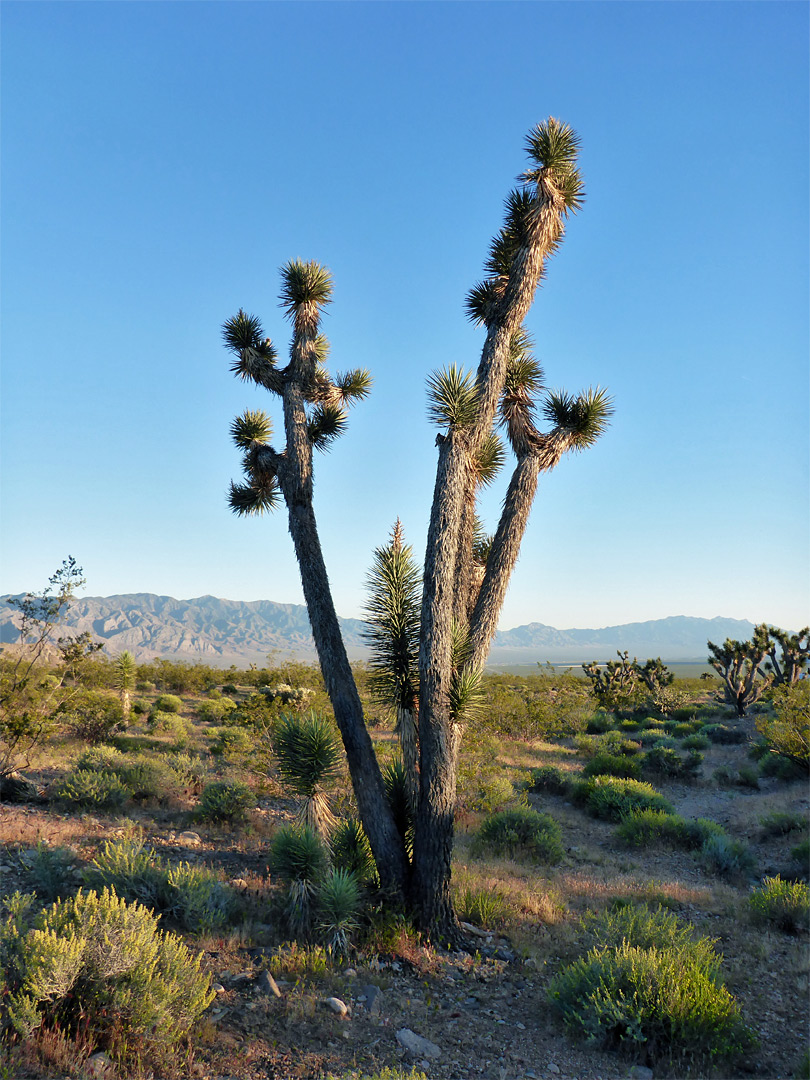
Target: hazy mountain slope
{"x":223,"y":632}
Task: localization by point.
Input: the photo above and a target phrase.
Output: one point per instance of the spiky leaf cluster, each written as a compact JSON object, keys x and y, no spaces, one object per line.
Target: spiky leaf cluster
{"x":452,"y":398}
{"x":397,"y":787}
{"x":307,"y":751}
{"x":553,"y":148}
{"x":251,"y":428}
{"x":392,"y":610}
{"x":584,"y":417}
{"x":326,"y":424}
{"x":258,"y":496}
{"x":352,"y":851}
{"x":304,"y":283}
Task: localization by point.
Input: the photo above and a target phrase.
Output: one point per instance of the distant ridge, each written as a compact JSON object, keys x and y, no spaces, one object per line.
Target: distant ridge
{"x":225,"y":632}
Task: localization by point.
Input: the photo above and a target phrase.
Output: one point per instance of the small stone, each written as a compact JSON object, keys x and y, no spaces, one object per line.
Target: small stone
{"x":192,"y":839}
{"x":373,"y":999}
{"x":218,"y":988}
{"x":350,"y":973}
{"x":505,"y":954}
{"x":337,"y":1006}
{"x":98,"y":1065}
{"x":522,"y":1027}
{"x":416,"y":1045}
{"x":238,"y":883}
{"x":474,"y":930}
{"x":553,"y":1069}
{"x":268,"y":985}
{"x":640,"y":1072}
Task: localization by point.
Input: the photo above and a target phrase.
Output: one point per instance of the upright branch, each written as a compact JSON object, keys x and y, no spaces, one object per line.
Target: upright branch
{"x":794,"y":650}
{"x":314,"y":409}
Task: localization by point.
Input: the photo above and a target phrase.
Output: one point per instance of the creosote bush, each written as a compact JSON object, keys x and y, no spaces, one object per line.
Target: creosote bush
{"x":650,"y":985}
{"x":521,"y":833}
{"x":169,"y":703}
{"x":613,"y":799}
{"x":85,"y":789}
{"x":225,"y":800}
{"x":98,"y":960}
{"x":785,"y":904}
{"x":548,"y":778}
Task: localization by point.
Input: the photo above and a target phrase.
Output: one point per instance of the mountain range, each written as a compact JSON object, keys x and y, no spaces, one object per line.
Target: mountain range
{"x":225,"y":632}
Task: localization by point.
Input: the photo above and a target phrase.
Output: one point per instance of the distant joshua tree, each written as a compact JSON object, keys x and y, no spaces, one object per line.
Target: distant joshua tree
{"x":466,"y":574}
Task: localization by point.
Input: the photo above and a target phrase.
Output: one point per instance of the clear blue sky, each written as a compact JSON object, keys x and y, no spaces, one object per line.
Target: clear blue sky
{"x":160,"y":161}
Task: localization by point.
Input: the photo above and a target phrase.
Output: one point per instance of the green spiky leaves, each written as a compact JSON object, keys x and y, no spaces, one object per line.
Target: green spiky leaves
{"x":489,"y":459}
{"x":452,"y":398}
{"x":304,"y":284}
{"x":585,"y":417}
{"x":553,"y":148}
{"x":241,"y":332}
{"x":353,"y":385}
{"x":251,"y":428}
{"x":327,"y":423}
{"x":254,"y":498}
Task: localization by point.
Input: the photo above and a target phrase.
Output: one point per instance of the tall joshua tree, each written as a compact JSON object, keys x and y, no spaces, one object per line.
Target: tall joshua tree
{"x":466,"y":574}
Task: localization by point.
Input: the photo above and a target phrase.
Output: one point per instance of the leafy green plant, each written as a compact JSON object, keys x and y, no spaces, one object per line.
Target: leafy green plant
{"x":225,"y":800}
{"x":724,"y":735}
{"x":613,"y":799}
{"x":168,"y":703}
{"x":84,"y":789}
{"x":50,"y":871}
{"x":521,"y":833}
{"x":191,"y":896}
{"x":100,"y":960}
{"x":788,"y":732}
{"x":668,"y":1000}
{"x":782,"y":822}
{"x":93,"y":715}
{"x":548,"y":778}
{"x":643,"y":828}
{"x":665,"y":762}
{"x":725,"y":856}
{"x":217,"y":710}
{"x":483,"y":907}
{"x":232,"y":742}
{"x":621,"y":765}
{"x":785,"y":904}
{"x":698,"y":741}
{"x":297,"y":961}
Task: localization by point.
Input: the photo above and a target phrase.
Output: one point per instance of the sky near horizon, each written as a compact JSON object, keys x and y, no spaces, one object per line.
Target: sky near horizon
{"x":161,"y":161}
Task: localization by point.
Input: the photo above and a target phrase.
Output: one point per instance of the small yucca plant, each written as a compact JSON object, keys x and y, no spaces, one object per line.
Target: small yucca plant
{"x":338,"y":903}
{"x":309,"y":755}
{"x":298,"y":856}
{"x":351,"y":851}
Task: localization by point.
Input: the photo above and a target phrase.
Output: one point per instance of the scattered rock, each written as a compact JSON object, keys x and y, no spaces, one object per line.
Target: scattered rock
{"x":640,"y":1072}
{"x":337,"y":1006}
{"x":98,"y":1065}
{"x":416,"y":1045}
{"x":350,"y":973}
{"x":268,"y":985}
{"x":372,"y":995}
{"x":238,"y":883}
{"x":505,"y":954}
{"x":476,"y":931}
{"x":218,"y":988}
{"x":553,"y":1069}
{"x":192,"y":839}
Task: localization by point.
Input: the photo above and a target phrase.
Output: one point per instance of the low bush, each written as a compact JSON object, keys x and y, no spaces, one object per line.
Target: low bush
{"x":800,"y":854}
{"x":645,"y":827}
{"x":168,"y":703}
{"x":621,"y":765}
{"x":613,"y":799}
{"x":788,"y":731}
{"x":190,"y":896}
{"x":216,"y":711}
{"x":667,"y":1000}
{"x":86,"y":789}
{"x":225,"y":800}
{"x":94,"y":715}
{"x":98,"y":961}
{"x":727,"y":857}
{"x":521,"y":833}
{"x":482,"y":907}
{"x":780,"y":767}
{"x":698,"y":741}
{"x":724,"y":735}
{"x":600,"y":722}
{"x":548,"y":778}
{"x":785,"y":904}
{"x":782,"y":822}
{"x":667,"y":763}
{"x":50,"y":871}
{"x":232,"y":742}
{"x":171,"y":724}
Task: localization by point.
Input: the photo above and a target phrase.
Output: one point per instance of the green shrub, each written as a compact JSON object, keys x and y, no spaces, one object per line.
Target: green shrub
{"x":603,"y":764}
{"x":140,"y":708}
{"x":548,"y":778}
{"x":788,"y":732}
{"x":779,"y":766}
{"x":645,"y":827}
{"x":600,"y":722}
{"x":172,"y":724}
{"x":84,"y":789}
{"x":801,"y":855}
{"x":191,"y":896}
{"x":94,"y":715}
{"x":782,"y":822}
{"x":521,"y":833}
{"x":148,"y":778}
{"x":665,"y":762}
{"x":168,"y":703}
{"x":724,"y":735}
{"x":216,"y":711}
{"x":646,"y":928}
{"x":103,"y":758}
{"x":786,"y":904}
{"x":50,"y":871}
{"x":698,"y":741}
{"x":232,"y":742}
{"x":727,"y":857}
{"x":482,"y":907}
{"x":613,"y":799}
{"x":102,"y":962}
{"x":225,"y":800}
{"x":667,"y":1000}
